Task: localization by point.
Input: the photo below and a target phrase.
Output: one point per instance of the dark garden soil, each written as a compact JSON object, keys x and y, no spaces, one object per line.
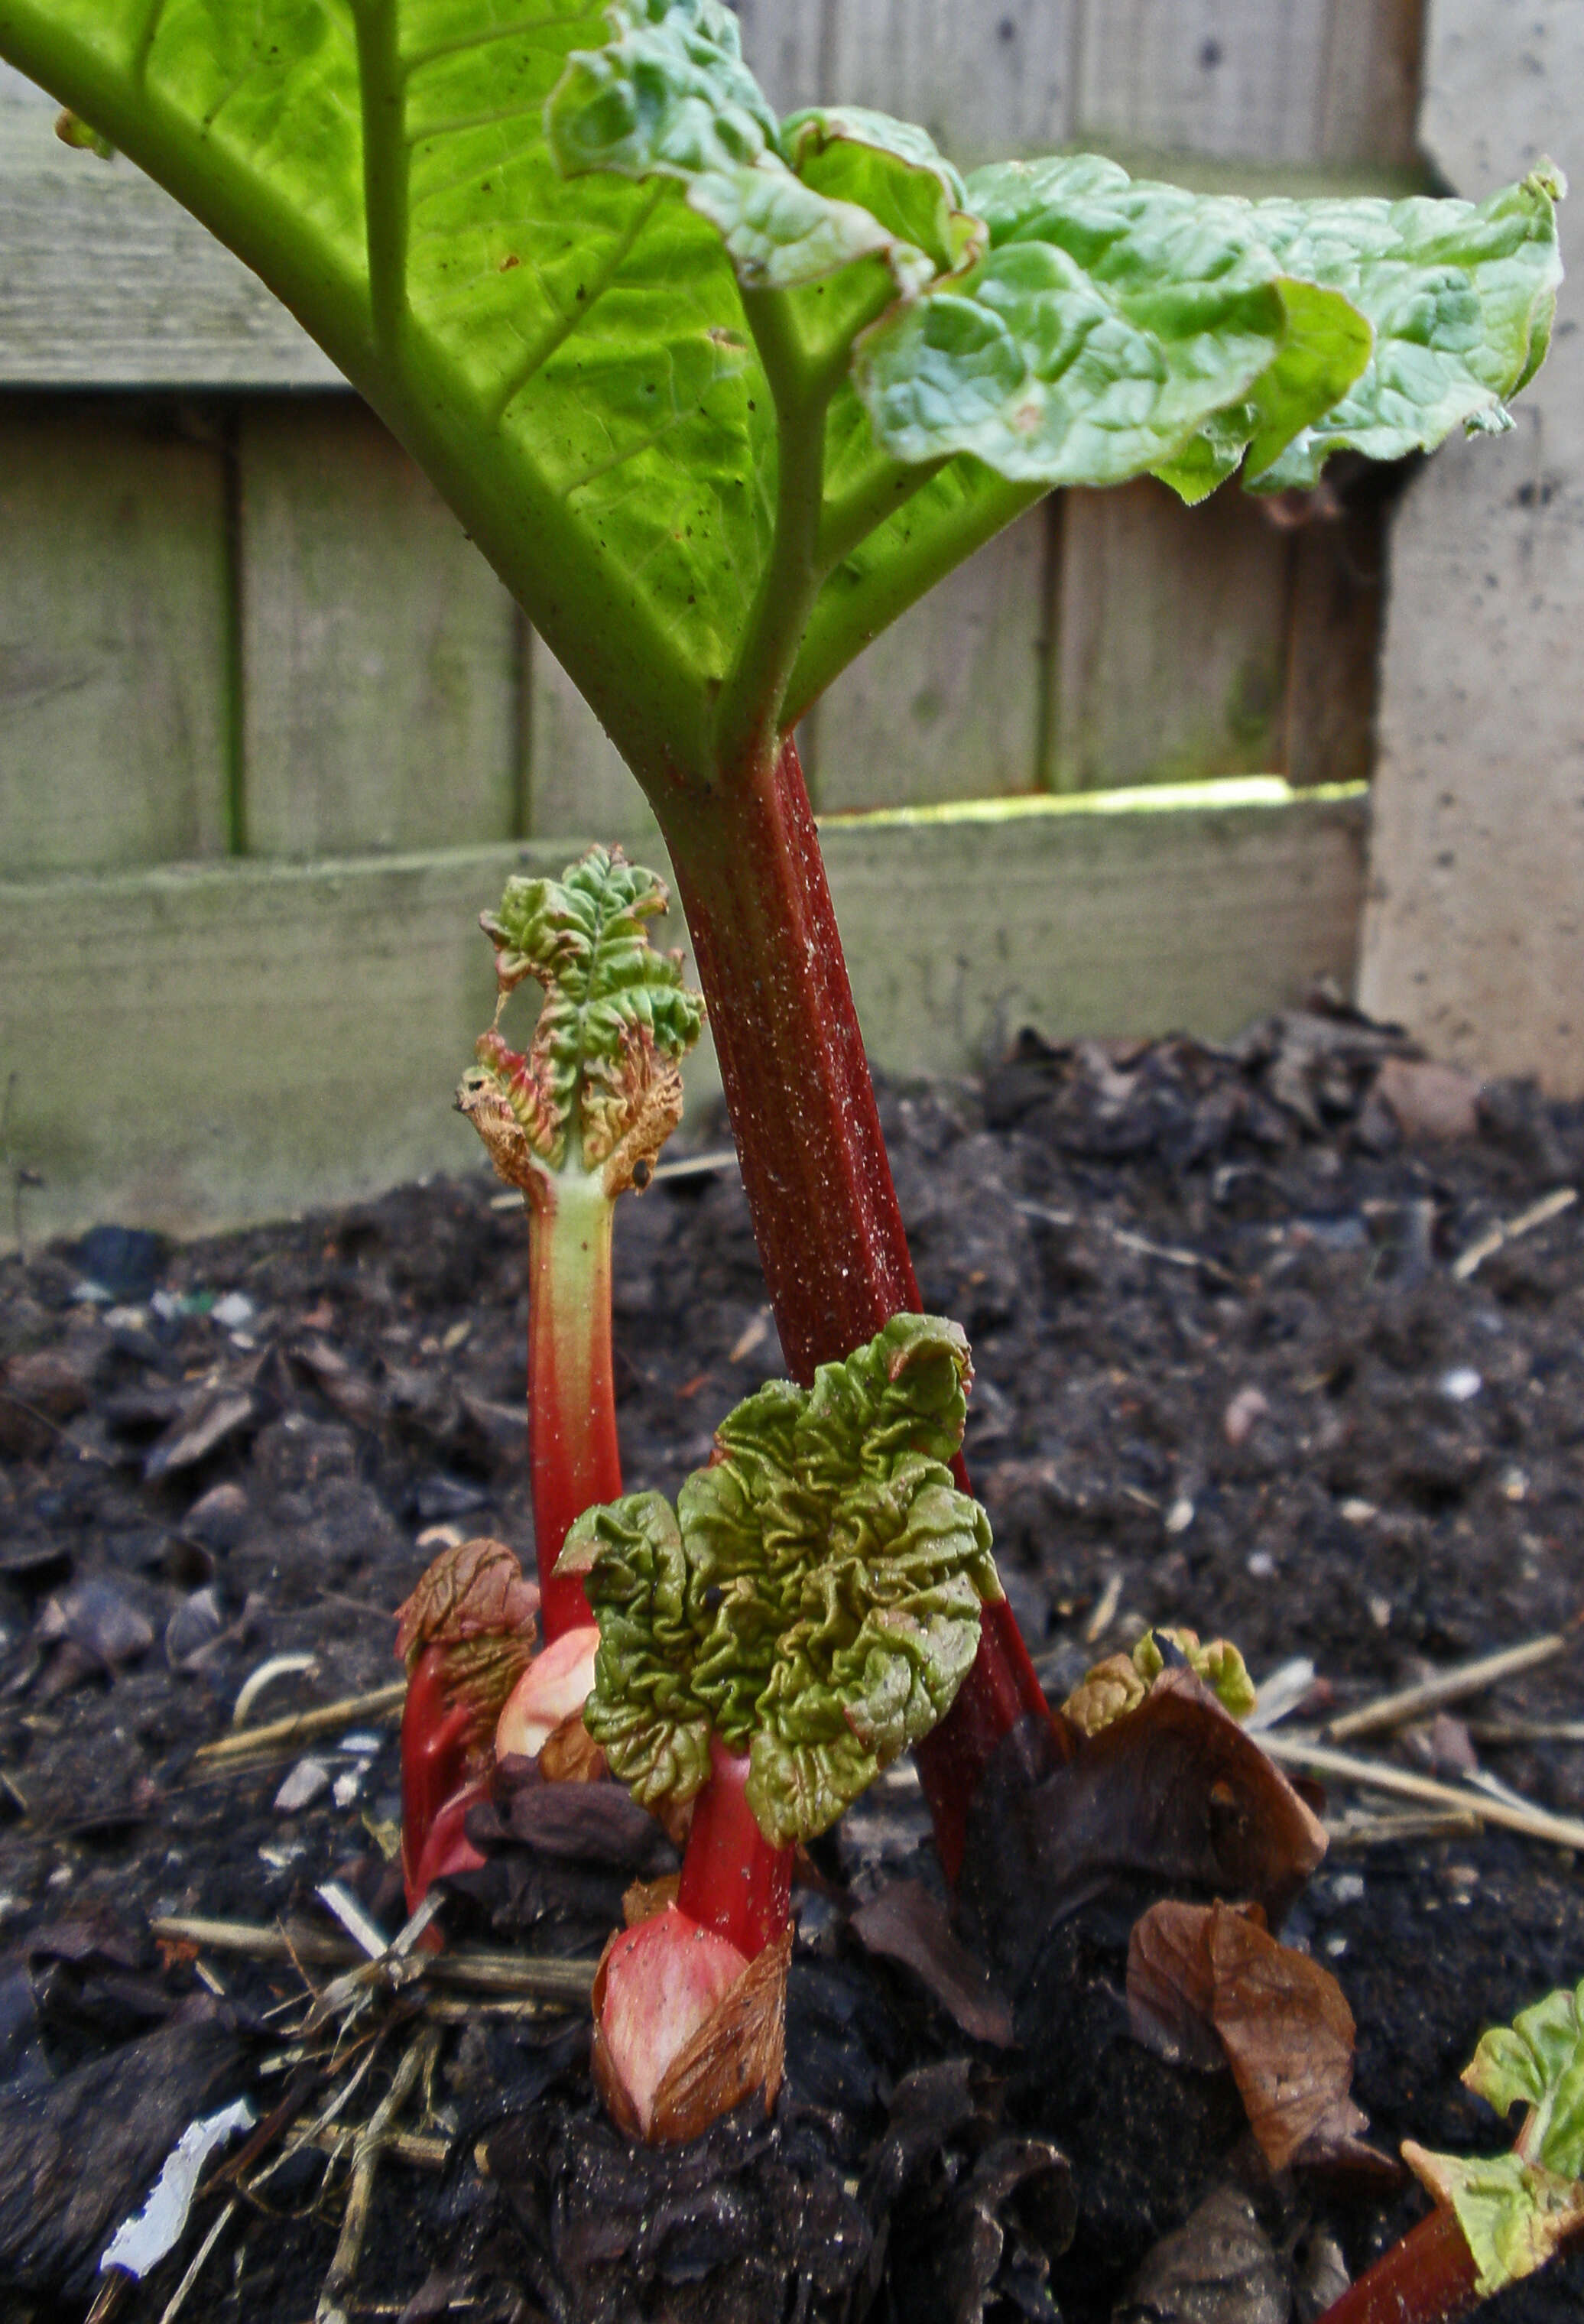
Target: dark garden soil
{"x":1227,"y":1376}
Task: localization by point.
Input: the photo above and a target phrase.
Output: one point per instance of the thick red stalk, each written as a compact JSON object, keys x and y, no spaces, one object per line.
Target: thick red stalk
{"x":732,"y":1880}
{"x":571,"y":1395}
{"x":1428,"y":2277}
{"x":819,"y":1187}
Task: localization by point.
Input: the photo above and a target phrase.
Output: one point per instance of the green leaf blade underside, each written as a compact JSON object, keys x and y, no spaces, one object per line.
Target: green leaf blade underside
{"x":815,"y":1601}
{"x":570,"y":361}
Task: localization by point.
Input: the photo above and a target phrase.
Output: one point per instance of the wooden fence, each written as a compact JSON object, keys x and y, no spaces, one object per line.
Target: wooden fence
{"x":238,"y":629}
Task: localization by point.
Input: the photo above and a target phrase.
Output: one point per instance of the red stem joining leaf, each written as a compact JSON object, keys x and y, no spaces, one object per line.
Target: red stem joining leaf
{"x":819,"y":1187}
{"x":571,"y":1395}
{"x":733,"y":1880}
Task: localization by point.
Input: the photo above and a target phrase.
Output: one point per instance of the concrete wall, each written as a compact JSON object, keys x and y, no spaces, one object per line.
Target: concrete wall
{"x":1474,"y":928}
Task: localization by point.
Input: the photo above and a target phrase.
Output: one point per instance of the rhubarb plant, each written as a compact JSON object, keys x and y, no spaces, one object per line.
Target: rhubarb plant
{"x":720,"y":395}
{"x":1497,"y":2217}
{"x":573,"y":1123}
{"x":805,"y":1614}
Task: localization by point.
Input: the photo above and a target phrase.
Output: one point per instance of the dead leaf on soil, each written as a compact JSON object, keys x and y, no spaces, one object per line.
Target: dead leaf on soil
{"x":906,"y":1922}
{"x":1175,"y":1793}
{"x":1204,"y":1975}
{"x":1219,"y":2266}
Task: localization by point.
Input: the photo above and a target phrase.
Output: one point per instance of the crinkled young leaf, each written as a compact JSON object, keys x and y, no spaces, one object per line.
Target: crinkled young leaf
{"x":642,"y":1710}
{"x":815,"y":1601}
{"x":1461,"y":300}
{"x":615,"y":1019}
{"x":668,"y":96}
{"x":1514,"y":2215}
{"x":1538,"y":2061}
{"x":1107,"y":322}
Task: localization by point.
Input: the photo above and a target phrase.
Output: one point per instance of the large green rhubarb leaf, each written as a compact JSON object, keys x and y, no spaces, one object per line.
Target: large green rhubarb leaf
{"x":1517,"y":2210}
{"x":599,"y":1085}
{"x":815,"y":1600}
{"x":703,"y":384}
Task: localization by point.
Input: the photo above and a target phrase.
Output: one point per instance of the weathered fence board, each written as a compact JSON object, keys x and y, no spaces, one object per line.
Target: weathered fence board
{"x":114,"y":604}
{"x":945,"y":704}
{"x":986,"y":77}
{"x":106,"y":282}
{"x":785,"y":43}
{"x":211,"y":1080}
{"x":1475,"y":933}
{"x":1171,"y":642}
{"x":381,"y":658}
{"x":578,"y":781}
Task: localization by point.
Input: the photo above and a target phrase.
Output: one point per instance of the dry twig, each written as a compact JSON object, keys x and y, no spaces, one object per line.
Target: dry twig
{"x":284,"y":1734}
{"x":1485,"y":1246}
{"x":1389,"y":1710}
{"x":1378,"y":1775}
{"x":371,"y":2141}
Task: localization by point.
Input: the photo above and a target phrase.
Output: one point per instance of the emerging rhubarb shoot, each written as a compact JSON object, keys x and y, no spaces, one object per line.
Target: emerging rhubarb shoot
{"x":573,"y":1123}
{"x":806,"y":1613}
{"x":1497,"y":2217}
{"x":466,"y":1636}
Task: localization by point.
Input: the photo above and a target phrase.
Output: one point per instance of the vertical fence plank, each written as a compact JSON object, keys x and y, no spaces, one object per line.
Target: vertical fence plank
{"x":1369,"y":110}
{"x":114,"y":684}
{"x":381,"y":656}
{"x":1172,"y":635}
{"x":578,"y":784}
{"x":986,"y":77}
{"x":782,"y":40}
{"x":1219,"y":77}
{"x":1334,"y":648}
{"x":946,"y":702}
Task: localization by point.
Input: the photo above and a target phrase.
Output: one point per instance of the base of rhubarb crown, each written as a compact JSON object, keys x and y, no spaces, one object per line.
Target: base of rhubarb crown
{"x":738,"y":2050}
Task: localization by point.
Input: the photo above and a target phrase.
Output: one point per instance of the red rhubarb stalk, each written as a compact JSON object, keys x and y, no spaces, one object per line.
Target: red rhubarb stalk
{"x":571,"y":1398}
{"x":1428,"y":2277}
{"x":815,"y":1169}
{"x":733,"y":1880}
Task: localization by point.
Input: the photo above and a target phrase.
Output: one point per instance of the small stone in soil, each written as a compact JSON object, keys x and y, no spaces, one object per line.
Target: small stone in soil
{"x":302,"y":1786}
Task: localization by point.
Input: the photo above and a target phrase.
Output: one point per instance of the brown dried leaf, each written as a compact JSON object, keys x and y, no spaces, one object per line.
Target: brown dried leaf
{"x":569,"y":1754}
{"x":1207,"y":1984}
{"x":1171,"y":1984}
{"x":215,"y":1417}
{"x":1289,"y":2040}
{"x":475,"y":1590}
{"x":906,"y":1922}
{"x":645,"y":1898}
{"x":740,"y":2049}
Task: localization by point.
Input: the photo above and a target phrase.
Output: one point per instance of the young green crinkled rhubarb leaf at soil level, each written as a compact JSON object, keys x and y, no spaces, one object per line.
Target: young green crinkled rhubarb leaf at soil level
{"x":807,"y":1611}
